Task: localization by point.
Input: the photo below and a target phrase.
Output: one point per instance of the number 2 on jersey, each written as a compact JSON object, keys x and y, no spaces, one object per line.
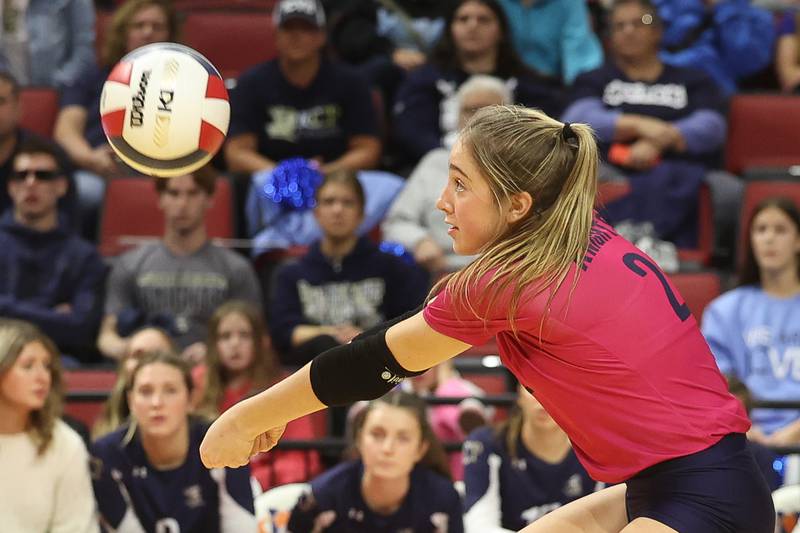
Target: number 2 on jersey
{"x":631,"y":259}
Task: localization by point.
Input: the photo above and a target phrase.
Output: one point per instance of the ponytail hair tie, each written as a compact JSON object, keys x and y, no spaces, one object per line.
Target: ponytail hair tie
{"x":568,"y":133}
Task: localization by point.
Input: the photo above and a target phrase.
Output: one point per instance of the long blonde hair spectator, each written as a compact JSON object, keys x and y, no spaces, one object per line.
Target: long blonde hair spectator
{"x":116,"y":410}
{"x":264,"y":370}
{"x":115,"y":45}
{"x":14,"y":336}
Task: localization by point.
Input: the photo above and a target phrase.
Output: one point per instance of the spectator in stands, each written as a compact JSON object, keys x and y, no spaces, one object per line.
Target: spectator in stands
{"x":384,"y":40}
{"x":177,"y":282}
{"x":787,"y":54}
{"x":451,"y":423}
{"x":45,"y":484}
{"x":728,"y":39}
{"x":301,"y":104}
{"x":520,"y":471}
{"x":78,"y":128}
{"x":47,"y":43}
{"x":241,"y":363}
{"x":116,"y":411}
{"x":400,"y":482}
{"x":12,"y":135}
{"x":148,"y":475}
{"x":413,"y":219}
{"x":476,"y":41}
{"x":662,"y":126}
{"x":754,"y":330}
{"x":51,"y":277}
{"x":554,"y":36}
{"x":343,"y":285}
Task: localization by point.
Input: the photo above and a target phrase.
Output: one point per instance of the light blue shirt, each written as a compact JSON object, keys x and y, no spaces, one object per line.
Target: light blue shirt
{"x":60,"y":41}
{"x":756,"y":337}
{"x":554,"y":36}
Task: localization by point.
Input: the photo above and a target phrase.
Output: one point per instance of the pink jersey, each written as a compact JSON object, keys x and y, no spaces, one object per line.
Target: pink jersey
{"x":621,"y":366}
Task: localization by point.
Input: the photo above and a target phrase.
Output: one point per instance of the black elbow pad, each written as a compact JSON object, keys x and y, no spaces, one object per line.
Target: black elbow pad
{"x":363,"y":369}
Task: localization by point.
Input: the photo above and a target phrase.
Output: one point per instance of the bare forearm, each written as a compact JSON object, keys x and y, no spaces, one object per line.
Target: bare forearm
{"x":111,"y":345}
{"x":77,"y":148}
{"x":288,"y":400}
{"x":358,"y":158}
{"x":109,"y":342}
{"x":248,"y":162}
{"x":306,"y":332}
{"x":627,"y":128}
{"x":788,"y":435}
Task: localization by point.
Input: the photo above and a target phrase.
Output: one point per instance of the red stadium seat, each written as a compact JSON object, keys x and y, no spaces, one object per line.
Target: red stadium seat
{"x":608,"y":191}
{"x":705,"y":232}
{"x":130,"y":209}
{"x":697,"y":289}
{"x":762,"y":132}
{"x":102,"y":21}
{"x":88,"y":381}
{"x":232,"y":41}
{"x":489,"y":382}
{"x":755,"y":192}
{"x":39,"y":109}
{"x":186,"y":5}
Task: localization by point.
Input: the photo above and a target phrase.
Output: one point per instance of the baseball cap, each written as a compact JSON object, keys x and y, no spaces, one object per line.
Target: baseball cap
{"x":309,"y":10}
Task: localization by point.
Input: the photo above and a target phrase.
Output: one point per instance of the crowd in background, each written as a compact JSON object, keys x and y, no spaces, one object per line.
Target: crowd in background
{"x":363,"y":100}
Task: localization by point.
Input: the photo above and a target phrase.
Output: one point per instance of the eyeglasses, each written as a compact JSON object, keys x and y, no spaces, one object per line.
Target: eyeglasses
{"x":40,"y":175}
{"x":646,"y":20}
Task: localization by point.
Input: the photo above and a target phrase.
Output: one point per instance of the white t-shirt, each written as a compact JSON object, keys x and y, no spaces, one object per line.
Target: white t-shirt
{"x":51,"y":493}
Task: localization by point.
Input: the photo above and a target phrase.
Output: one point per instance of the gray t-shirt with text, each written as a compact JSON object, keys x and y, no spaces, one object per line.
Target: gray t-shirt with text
{"x":153,"y":280}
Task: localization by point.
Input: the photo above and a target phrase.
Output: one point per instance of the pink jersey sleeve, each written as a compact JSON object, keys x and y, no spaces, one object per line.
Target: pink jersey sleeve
{"x":462,"y":323}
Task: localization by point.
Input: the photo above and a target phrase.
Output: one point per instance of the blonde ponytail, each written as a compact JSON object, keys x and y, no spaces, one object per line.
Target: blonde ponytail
{"x":523,"y":150}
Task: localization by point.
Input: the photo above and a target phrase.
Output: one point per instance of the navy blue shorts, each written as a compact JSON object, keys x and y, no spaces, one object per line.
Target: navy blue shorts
{"x":717,"y":490}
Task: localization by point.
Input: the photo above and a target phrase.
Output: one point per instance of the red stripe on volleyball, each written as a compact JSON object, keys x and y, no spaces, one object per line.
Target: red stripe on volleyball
{"x":210,"y":137}
{"x":215,"y":88}
{"x":114,"y":122}
{"x":121,"y":73}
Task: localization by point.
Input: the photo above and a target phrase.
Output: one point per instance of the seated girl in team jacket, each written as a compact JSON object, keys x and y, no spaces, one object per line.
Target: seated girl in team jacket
{"x":401,"y":482}
{"x":148,"y":475}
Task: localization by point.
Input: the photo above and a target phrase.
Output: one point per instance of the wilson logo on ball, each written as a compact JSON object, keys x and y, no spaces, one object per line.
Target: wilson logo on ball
{"x":165,"y":109}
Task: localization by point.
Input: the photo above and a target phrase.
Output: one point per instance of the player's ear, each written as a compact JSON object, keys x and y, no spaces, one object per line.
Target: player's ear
{"x":519,"y":206}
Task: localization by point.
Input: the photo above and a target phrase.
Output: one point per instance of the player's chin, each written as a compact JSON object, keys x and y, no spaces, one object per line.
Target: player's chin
{"x":462,"y":249}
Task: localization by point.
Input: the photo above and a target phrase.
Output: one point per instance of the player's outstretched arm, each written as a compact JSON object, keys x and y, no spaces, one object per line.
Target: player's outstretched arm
{"x":362,"y":370}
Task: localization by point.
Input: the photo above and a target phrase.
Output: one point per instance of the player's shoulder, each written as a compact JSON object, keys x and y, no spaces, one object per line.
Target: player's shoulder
{"x":431,"y":486}
{"x":66,"y":439}
{"x":736,"y":298}
{"x":431,"y":477}
{"x":483,"y":441}
{"x":135,"y":257}
{"x":259,"y":74}
{"x":337,"y":481}
{"x":688,"y":75}
{"x":111,"y":444}
{"x":484,"y":434}
{"x":230,"y":257}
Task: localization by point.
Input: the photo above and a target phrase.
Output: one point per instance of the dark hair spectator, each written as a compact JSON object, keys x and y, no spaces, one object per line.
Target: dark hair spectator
{"x":476,"y":41}
{"x":754,"y":329}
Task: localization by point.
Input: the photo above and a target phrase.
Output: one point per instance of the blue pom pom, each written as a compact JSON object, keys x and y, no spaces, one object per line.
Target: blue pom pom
{"x":292,"y":184}
{"x":398,"y":250}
